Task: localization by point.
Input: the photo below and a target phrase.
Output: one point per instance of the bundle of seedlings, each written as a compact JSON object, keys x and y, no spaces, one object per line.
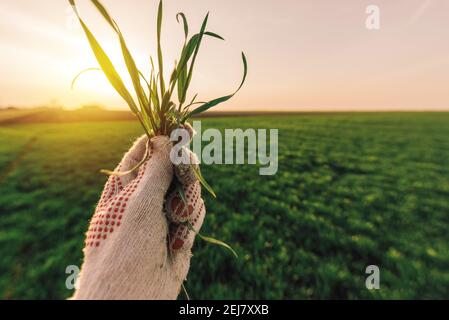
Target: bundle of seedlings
{"x":161,"y":106}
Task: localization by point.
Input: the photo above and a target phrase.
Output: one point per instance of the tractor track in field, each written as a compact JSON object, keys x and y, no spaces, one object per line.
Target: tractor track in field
{"x":12,"y":165}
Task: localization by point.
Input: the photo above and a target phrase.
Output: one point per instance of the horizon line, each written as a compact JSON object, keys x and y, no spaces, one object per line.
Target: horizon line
{"x":247,"y":110}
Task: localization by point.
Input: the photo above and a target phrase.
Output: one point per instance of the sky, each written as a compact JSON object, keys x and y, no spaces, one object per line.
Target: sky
{"x":302,"y":55}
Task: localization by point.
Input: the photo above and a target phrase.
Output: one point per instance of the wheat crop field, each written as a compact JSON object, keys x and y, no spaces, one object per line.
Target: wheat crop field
{"x":352,"y":190}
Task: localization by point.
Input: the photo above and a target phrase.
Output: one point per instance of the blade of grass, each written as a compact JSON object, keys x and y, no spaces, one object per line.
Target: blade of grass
{"x":186,"y":54}
{"x":194,"y":98}
{"x":155,"y":96}
{"x":181,"y":192}
{"x":185,"y":292}
{"x":213,"y":35}
{"x":192,"y":101}
{"x":75,"y":79}
{"x":105,"y":14}
{"x":129,"y":61}
{"x":191,"y":46}
{"x":106,"y":64}
{"x":109,"y":69}
{"x":217,"y":101}
{"x":213,"y":241}
{"x":186,"y":25}
{"x":200,"y":178}
{"x":174,"y":74}
{"x":125,"y":173}
{"x":154,"y":91}
{"x":144,"y":79}
{"x":159,"y":48}
{"x":195,"y":54}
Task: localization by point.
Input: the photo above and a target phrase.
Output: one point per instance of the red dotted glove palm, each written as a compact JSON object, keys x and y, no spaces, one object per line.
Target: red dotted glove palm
{"x":138,"y":246}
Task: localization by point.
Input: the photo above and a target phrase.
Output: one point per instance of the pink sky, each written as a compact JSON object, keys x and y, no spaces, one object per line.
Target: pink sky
{"x":303,"y":55}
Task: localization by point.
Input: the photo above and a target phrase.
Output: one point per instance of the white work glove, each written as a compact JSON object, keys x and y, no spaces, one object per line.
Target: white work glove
{"x":132,"y":250}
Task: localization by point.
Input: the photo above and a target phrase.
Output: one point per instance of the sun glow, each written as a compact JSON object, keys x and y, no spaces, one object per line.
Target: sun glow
{"x":94,"y":81}
{"x":328,"y":61}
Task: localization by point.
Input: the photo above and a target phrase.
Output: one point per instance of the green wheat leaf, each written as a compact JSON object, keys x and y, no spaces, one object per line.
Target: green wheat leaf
{"x":75,"y":79}
{"x":186,"y":25}
{"x":159,"y":47}
{"x":125,"y":173}
{"x":195,"y":54}
{"x":105,"y":14}
{"x":106,"y":64}
{"x":217,"y":101}
{"x":213,"y":241}
{"x":187,"y":52}
{"x":129,"y":61}
{"x":199,"y":176}
{"x":181,"y":192}
{"x":213,"y":35}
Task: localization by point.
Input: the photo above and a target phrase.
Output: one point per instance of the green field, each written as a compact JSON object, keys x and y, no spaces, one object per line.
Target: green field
{"x":351,"y":190}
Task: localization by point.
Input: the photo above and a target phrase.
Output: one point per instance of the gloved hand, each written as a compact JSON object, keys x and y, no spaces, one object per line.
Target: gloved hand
{"x":138,"y":245}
